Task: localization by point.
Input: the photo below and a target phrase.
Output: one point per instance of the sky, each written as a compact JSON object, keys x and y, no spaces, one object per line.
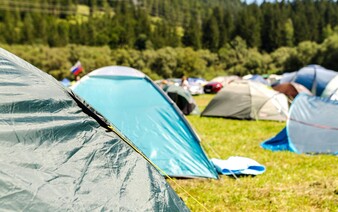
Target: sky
{"x":251,"y":1}
{"x":258,"y":1}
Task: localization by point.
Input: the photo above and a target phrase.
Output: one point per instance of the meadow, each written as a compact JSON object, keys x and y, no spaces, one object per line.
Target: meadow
{"x":291,"y":182}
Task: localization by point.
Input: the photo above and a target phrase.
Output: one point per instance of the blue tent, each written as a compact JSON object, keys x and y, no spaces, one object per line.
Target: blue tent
{"x":259,"y":78}
{"x":312,"y":127}
{"x":256,"y":77}
{"x":148,"y":117}
{"x":288,"y":77}
{"x":313,"y":77}
{"x":65,"y":82}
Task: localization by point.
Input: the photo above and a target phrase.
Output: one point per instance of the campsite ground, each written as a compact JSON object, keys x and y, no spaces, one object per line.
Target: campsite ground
{"x":291,"y":182}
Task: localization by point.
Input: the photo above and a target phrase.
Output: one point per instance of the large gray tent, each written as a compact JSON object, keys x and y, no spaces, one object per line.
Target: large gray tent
{"x":59,"y":155}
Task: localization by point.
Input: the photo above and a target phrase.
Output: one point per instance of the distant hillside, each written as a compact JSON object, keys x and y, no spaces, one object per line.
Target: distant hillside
{"x":154,"y":24}
{"x":178,"y":11}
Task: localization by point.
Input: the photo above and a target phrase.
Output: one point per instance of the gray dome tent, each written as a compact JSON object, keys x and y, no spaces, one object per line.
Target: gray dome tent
{"x":59,"y":155}
{"x":246,"y":99}
{"x":182,"y":98}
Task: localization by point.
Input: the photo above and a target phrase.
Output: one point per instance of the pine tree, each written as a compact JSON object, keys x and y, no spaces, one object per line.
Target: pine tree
{"x":249,"y":26}
{"x":288,"y":33}
{"x":63,"y":33}
{"x":28,"y":29}
{"x":211,"y":36}
{"x":272,"y":27}
{"x":92,"y":5}
{"x":11,"y":32}
{"x":40,"y":25}
{"x":229,"y":28}
{"x":192,"y":33}
{"x":52,"y":34}
{"x":300,"y":22}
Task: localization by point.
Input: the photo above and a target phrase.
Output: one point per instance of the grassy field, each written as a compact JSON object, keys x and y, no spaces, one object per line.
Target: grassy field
{"x":292,"y":182}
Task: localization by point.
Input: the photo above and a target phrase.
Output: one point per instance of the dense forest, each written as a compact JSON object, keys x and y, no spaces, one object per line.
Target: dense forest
{"x":227,"y":36}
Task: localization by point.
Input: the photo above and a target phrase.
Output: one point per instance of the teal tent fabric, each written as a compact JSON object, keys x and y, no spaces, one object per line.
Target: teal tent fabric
{"x":312,"y":127}
{"x":147,"y":116}
{"x":56,"y":154}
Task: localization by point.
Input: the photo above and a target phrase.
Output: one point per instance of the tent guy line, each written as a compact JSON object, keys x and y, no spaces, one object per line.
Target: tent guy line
{"x":314,"y":125}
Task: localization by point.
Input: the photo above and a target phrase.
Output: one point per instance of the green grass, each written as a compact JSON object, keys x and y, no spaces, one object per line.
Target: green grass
{"x":292,"y":182}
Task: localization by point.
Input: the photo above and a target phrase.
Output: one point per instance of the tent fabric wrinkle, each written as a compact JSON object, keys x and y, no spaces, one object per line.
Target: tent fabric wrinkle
{"x":56,"y":155}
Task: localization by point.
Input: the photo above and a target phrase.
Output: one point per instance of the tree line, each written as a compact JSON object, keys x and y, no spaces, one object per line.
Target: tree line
{"x":168,"y":62}
{"x":154,"y":24}
{"x":170,"y":38}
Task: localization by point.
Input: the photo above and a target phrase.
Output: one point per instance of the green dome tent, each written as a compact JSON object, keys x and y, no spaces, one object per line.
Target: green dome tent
{"x":59,"y":155}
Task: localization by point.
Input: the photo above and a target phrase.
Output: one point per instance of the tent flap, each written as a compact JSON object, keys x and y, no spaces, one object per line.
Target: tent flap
{"x":278,"y":143}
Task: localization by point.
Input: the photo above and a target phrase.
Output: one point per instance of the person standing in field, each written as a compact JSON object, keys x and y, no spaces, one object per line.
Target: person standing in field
{"x":184,"y":82}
